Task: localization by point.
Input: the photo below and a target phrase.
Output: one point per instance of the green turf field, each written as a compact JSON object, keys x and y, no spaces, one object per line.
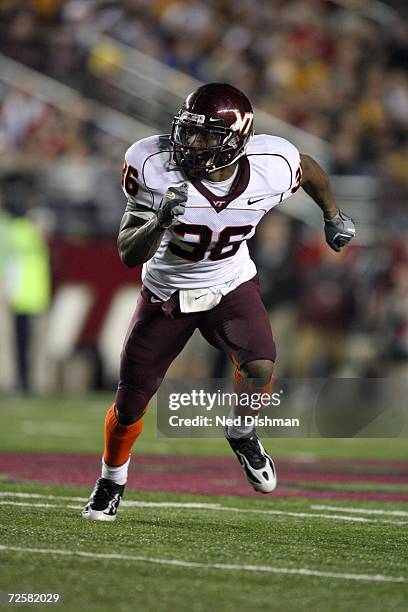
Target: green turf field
{"x":222,"y":554}
{"x":75,"y":425}
{"x":145,"y":538}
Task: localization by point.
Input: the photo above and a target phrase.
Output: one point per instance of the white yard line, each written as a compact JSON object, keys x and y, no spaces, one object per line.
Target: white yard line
{"x":35,"y":505}
{"x":197,"y":506}
{"x":359,"y":510}
{"x":129,"y":504}
{"x":195,"y":564}
{"x":337,"y":517}
{"x":40,"y":496}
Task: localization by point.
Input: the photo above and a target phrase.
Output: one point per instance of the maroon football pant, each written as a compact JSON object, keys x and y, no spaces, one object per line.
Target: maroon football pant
{"x":238,"y":325}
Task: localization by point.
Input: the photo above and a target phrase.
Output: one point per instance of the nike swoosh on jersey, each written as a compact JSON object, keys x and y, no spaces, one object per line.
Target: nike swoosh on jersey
{"x":250,"y":202}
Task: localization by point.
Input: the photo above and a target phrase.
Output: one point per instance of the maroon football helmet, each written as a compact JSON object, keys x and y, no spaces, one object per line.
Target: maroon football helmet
{"x":211,"y":129}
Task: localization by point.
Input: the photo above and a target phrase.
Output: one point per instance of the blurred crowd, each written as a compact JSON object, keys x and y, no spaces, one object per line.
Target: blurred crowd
{"x":336,"y":68}
{"x":344,"y":314}
{"x":60,"y":162}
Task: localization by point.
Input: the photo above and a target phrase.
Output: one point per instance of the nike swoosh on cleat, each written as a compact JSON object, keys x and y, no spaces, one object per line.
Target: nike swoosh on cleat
{"x":250,"y":202}
{"x":200,"y":296}
{"x":154,"y":300}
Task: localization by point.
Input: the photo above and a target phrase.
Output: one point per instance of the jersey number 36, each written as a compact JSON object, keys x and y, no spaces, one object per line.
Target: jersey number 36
{"x":222,"y":249}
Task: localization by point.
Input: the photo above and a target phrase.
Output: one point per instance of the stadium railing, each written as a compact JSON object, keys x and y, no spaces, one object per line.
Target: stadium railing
{"x":118,"y":125}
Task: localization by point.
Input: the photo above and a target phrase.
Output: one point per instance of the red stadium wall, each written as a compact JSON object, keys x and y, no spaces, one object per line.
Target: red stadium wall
{"x":94,"y":263}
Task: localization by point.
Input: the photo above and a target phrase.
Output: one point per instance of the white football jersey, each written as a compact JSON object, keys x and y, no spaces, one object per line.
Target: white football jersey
{"x":207,"y":246}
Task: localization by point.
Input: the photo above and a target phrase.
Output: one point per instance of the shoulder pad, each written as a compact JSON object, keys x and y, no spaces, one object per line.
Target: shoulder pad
{"x":279,"y":158}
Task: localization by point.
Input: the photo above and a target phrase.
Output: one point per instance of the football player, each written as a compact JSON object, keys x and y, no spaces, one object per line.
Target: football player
{"x":194,"y":199}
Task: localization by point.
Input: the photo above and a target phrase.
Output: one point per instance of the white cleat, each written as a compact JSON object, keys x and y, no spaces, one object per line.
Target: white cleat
{"x":104,"y":501}
{"x":258,"y":466}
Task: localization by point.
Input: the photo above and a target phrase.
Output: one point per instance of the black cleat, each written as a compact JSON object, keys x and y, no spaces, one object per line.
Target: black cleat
{"x":104,"y":501}
{"x":257,"y":464}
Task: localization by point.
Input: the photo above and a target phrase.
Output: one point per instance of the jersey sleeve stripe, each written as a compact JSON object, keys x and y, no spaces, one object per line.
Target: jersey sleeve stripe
{"x":276,"y":155}
{"x":143,"y":174}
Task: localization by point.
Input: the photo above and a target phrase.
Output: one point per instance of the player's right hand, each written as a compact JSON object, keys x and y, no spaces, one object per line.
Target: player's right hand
{"x":339,"y":230}
{"x":173,"y":205}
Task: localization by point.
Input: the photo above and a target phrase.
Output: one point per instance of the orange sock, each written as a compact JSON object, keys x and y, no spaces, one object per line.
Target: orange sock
{"x":119,"y":439}
{"x":242,"y":385}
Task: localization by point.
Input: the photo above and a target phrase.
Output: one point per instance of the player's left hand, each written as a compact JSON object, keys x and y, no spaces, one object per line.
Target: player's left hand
{"x":339,"y":231}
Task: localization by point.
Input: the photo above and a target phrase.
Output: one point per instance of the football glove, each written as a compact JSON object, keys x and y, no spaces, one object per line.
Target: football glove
{"x":339,"y":230}
{"x":173,"y":205}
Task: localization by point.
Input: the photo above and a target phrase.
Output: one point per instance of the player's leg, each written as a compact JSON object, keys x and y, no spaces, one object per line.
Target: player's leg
{"x":152,"y":343}
{"x":240,"y":327}
{"x":252,"y":378}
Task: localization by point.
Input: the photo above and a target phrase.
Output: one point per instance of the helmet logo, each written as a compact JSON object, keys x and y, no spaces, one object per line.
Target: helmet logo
{"x":243,"y":123}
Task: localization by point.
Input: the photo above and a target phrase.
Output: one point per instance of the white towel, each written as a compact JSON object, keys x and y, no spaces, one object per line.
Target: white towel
{"x":197,"y":300}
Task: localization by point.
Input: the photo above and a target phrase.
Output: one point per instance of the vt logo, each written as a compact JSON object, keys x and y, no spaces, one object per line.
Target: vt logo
{"x":243,"y":123}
